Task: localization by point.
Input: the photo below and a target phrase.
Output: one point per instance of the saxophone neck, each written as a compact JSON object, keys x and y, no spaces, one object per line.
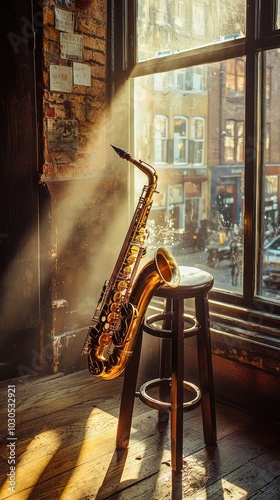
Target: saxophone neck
{"x":143,"y":166}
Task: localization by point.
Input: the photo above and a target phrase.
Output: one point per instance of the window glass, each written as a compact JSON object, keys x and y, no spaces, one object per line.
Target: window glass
{"x":168,"y":26}
{"x":193,"y":134}
{"x":269,"y":248}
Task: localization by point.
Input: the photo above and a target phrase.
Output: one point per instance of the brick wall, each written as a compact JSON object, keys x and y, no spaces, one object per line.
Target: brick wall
{"x":84,"y":107}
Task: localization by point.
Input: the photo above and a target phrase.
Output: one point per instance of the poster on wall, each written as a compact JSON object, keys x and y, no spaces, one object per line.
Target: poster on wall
{"x":62,"y":134}
{"x":61,"y":78}
{"x":81,"y":74}
{"x":64,"y":20}
{"x":71,"y":46}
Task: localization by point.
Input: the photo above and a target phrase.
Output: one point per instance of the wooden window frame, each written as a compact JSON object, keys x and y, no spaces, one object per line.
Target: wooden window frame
{"x":248,"y":316}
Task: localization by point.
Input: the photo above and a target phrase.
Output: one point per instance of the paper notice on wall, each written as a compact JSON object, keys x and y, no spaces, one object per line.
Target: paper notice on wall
{"x":71,"y":46}
{"x":62,"y":134}
{"x":61,"y":78}
{"x":64,"y":20}
{"x":81,"y":74}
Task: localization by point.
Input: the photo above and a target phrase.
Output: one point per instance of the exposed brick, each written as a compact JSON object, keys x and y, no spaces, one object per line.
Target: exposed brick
{"x":84,"y":103}
{"x":91,"y":27}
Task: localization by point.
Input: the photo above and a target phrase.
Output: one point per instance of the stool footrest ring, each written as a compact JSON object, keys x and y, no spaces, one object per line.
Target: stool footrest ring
{"x":167,"y":334}
{"x":166,"y":406}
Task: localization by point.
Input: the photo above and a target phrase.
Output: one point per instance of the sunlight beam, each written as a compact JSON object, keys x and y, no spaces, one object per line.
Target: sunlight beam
{"x":32,"y":464}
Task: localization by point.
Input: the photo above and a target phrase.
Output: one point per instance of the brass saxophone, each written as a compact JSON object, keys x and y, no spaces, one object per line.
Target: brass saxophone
{"x":125,"y":297}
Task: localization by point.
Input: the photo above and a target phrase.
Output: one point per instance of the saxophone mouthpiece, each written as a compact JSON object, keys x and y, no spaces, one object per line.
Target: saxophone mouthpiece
{"x":143,"y":166}
{"x":121,"y":152}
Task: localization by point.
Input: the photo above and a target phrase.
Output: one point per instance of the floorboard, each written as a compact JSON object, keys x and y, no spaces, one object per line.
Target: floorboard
{"x":65,"y":448}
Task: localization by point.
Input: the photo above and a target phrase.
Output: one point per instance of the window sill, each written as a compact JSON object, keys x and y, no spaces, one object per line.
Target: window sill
{"x":245,"y":336}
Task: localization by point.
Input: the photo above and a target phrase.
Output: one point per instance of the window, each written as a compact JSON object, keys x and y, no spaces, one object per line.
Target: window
{"x":190,"y":79}
{"x":180,"y":79}
{"x":160,"y":138}
{"x":234,"y":141}
{"x":229,"y":140}
{"x":198,"y":139}
{"x":180,"y":139}
{"x":212,"y":123}
{"x":194,"y":79}
{"x":235,"y":78}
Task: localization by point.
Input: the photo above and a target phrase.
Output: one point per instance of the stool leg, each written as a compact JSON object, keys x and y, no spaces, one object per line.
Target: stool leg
{"x":128,"y":395}
{"x":206,"y":371}
{"x":163,"y":416}
{"x":177,"y":387}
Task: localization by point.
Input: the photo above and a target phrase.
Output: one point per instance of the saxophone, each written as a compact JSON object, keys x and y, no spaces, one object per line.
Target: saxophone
{"x":125,"y":297}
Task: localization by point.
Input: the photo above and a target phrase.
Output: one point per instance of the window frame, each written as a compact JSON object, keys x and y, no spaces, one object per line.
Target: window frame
{"x":259,"y":37}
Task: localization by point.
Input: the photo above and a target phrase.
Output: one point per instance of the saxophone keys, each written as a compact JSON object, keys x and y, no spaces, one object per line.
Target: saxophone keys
{"x":131,"y":259}
{"x":127,"y":270}
{"x":104,"y":339}
{"x":134,"y":249}
{"x":115,"y":307}
{"x":112,"y":318}
{"x":140,"y":240}
{"x":117,"y":297}
{"x":122,"y":285}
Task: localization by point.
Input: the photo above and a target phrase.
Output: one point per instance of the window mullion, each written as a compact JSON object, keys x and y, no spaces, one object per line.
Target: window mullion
{"x":251,"y":157}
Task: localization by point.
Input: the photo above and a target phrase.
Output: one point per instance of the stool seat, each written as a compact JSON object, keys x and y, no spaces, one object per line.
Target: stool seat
{"x":176,"y":327}
{"x":192,"y":282}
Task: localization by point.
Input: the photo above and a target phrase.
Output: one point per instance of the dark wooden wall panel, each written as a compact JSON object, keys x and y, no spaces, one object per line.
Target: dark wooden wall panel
{"x":19,"y":286}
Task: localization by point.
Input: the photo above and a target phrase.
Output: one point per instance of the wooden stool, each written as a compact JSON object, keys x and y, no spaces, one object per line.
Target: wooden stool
{"x":195,"y":284}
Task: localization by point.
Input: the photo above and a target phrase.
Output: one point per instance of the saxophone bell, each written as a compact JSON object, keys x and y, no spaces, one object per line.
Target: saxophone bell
{"x":162,"y":270}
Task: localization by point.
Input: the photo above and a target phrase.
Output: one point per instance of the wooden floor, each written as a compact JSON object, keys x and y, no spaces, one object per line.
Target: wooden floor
{"x":65,"y":448}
